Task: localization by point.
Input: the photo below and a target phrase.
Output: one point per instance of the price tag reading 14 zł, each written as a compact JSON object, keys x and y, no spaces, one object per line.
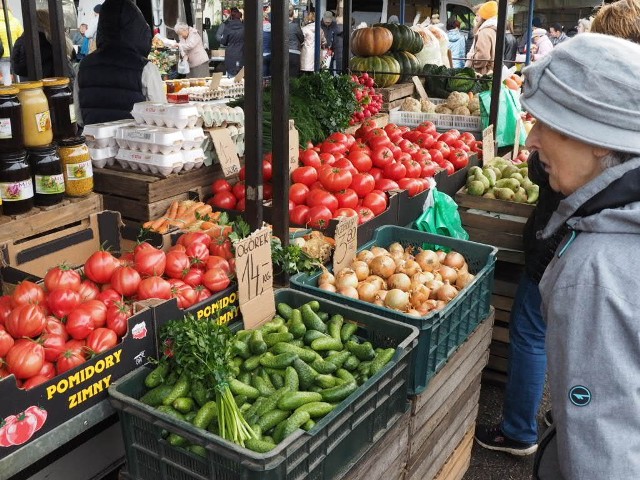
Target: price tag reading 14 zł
{"x":226,"y":151}
{"x":255,"y":278}
{"x":346,"y":238}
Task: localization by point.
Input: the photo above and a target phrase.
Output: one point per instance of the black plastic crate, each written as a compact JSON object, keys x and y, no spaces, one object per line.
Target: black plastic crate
{"x":327,"y":451}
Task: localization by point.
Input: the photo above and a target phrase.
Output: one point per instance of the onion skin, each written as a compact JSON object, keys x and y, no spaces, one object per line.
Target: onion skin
{"x":446,"y":292}
{"x":419,"y":295}
{"x":383,"y":266}
{"x":361,"y":268}
{"x":454,"y":259}
{"x":422,"y":277}
{"x":400,"y":281}
{"x":448,"y":274}
{"x":346,"y":278}
{"x":410,"y":267}
{"x":377,"y":251}
{"x":365,"y":256}
{"x":397,"y":300}
{"x":396,"y":248}
{"x":441,"y":255}
{"x":428,"y":260}
{"x":350,"y":292}
{"x":464,"y":279}
{"x":379,"y":282}
{"x":367,"y":292}
{"x":326,"y":277}
{"x":414,"y":313}
{"x":329,"y":287}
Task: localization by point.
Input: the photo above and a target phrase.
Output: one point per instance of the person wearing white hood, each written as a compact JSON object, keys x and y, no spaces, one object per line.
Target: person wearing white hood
{"x":483,"y":50}
{"x":541,"y":44}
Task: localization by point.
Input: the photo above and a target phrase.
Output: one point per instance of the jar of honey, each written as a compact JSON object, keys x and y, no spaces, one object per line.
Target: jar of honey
{"x":63,"y":112}
{"x":16,"y":186}
{"x":36,"y":118}
{"x":11,"y":138}
{"x":48,"y":179}
{"x":76,"y":166}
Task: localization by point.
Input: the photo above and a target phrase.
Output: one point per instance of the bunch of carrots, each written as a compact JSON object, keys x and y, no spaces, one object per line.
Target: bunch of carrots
{"x":186,"y":215}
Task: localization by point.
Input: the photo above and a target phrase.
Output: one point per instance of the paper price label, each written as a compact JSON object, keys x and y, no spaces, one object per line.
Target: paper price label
{"x":226,"y":151}
{"x":516,"y":140}
{"x":346,"y":238}
{"x":255,"y":278}
{"x":215,"y":81}
{"x":238,"y":78}
{"x":294,"y":149}
{"x":419,"y":88}
{"x":488,"y":145}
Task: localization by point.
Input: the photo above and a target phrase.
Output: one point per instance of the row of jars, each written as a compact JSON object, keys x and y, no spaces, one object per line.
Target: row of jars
{"x":174,"y":86}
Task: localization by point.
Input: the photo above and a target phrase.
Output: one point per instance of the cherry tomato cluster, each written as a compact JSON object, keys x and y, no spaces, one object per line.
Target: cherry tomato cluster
{"x":369,"y":102}
{"x":50,"y":327}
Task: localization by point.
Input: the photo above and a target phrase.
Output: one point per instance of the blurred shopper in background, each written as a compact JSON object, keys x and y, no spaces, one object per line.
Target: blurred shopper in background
{"x":16,"y":30}
{"x":541,"y":44}
{"x":233,"y":39}
{"x":621,"y":18}
{"x":296,"y":39}
{"x":483,"y":50}
{"x":584,"y":25}
{"x":556,"y":34}
{"x":456,"y":42}
{"x":192,"y":48}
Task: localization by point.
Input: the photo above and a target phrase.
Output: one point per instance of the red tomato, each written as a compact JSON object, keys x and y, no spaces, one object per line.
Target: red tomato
{"x":364,"y":215}
{"x":332,"y":147}
{"x":54,"y":326}
{"x":319,"y":217}
{"x":125,"y":281}
{"x":376,"y":173}
{"x":62,"y":277}
{"x":198,"y":254}
{"x":125,"y":259}
{"x":239,"y":190}
{"x":76,"y":346}
{"x":413,"y":168}
{"x":27,"y":293}
{"x":421,"y":155}
{"x":298,"y":193}
{"x":318,"y":197}
{"x":386,"y":184}
{"x":345,"y":164}
{"x":306,"y":175}
{"x":215,"y":280}
{"x":37,"y":379}
{"x":225,"y":200}
{"x":468,"y":138}
{"x":310,"y":158}
{"x":25,"y":321}
{"x":447,"y":137}
{"x":267,"y":171}
{"x":298,"y":216}
{"x":154,"y":287}
{"x":5,"y":308}
{"x":316,"y":186}
{"x":267,"y":191}
{"x":427,"y":127}
{"x":217,"y":262}
{"x":220,"y":185}
{"x":183,"y":293}
{"x":177,"y":264}
{"x":412,"y":186}
{"x":101,"y":340}
{"x":193,"y":276}
{"x":394,"y":171}
{"x":6,"y":342}
{"x":242,"y":173}
{"x":100,"y":266}
{"x":222,"y":247}
{"x":117,"y":315}
{"x":436,"y":155}
{"x":97,"y":310}
{"x":53,"y":346}
{"x":363,"y":183}
{"x":187,"y":239}
{"x":360,"y":160}
{"x":335,"y":179}
{"x":448,"y":166}
{"x":345,"y":212}
{"x":339,"y":137}
{"x":347,"y":198}
{"x":109,"y":296}
{"x":382,"y":157}
{"x":461,"y":145}
{"x":443,"y":147}
{"x":80,"y":323}
{"x":376,"y":203}
{"x":359,"y":146}
{"x":88,"y":290}
{"x":326,"y":159}
{"x":62,"y":300}
{"x":459,"y":158}
{"x":241,"y":206}
{"x":150,"y":261}
{"x":68,"y":360}
{"x":425,"y":140}
{"x":25,"y":359}
{"x":48,"y":369}
{"x":202,"y":293}
{"x":429,"y":169}
{"x":22,"y":429}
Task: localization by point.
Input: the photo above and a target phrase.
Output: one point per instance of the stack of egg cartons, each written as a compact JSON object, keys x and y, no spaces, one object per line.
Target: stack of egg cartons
{"x":166,"y":139}
{"x":219,"y":115}
{"x":101,"y":140}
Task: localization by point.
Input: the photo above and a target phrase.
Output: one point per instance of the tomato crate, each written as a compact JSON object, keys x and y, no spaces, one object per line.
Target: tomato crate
{"x":441,"y":332}
{"x":326,"y":451}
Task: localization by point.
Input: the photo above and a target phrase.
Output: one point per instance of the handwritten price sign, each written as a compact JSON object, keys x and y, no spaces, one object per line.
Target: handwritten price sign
{"x":488,"y":145}
{"x":255,"y":278}
{"x":346,"y":238}
{"x":226,"y":151}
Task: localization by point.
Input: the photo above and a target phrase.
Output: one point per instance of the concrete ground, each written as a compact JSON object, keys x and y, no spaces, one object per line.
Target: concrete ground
{"x":490,"y":465}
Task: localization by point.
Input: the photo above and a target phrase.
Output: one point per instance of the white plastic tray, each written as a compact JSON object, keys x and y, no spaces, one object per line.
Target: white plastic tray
{"x":193,"y":158}
{"x":150,"y":139}
{"x":102,"y":135}
{"x":101,"y":157}
{"x":193,"y":138}
{"x":172,"y":115}
{"x":149,"y":162}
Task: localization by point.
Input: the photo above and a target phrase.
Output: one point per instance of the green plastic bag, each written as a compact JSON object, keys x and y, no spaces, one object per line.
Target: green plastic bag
{"x":509,"y":111}
{"x":441,"y":217}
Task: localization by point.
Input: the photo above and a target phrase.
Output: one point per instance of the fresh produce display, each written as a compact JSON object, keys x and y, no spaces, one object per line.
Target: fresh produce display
{"x":513,"y":81}
{"x":371,"y":41}
{"x":416,"y":282}
{"x":457,"y":103}
{"x":384,"y":69}
{"x":286,"y":375}
{"x":316,"y":245}
{"x":404,"y":38}
{"x":184,"y":215}
{"x":441,"y":81}
{"x":369,"y":102}
{"x":502,"y":179}
{"x":409,"y":65}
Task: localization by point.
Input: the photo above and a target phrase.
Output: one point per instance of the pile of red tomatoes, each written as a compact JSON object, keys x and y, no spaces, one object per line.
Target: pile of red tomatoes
{"x":369,"y":102}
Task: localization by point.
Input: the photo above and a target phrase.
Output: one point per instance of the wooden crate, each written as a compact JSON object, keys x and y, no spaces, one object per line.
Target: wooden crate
{"x":459,"y":461}
{"x":381,"y":119}
{"x":397,"y":91}
{"x":43,"y":219}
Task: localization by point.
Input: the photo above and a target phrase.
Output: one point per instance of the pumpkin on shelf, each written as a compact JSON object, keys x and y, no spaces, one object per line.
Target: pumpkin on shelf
{"x":404,"y":39}
{"x":384,"y":69}
{"x":371,"y":41}
{"x":409,"y":65}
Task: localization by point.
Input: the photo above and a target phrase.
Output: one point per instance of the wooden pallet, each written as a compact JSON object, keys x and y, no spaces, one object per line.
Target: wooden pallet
{"x":397,"y":91}
{"x":459,"y":461}
{"x":44,"y":219}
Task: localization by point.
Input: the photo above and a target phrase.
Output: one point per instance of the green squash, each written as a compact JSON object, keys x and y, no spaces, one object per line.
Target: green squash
{"x":409,"y":65}
{"x":384,"y":69}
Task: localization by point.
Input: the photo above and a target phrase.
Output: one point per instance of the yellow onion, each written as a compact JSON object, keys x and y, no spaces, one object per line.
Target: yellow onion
{"x":346,"y":278}
{"x":377,"y":281}
{"x":410,"y":267}
{"x":441,"y":255}
{"x":329,"y":287}
{"x":400,"y":281}
{"x":446,"y":292}
{"x":464,"y":279}
{"x":434,"y":286}
{"x":383,"y":266}
{"x":348,"y":292}
{"x":413,"y":312}
{"x":326,"y":277}
{"x":454,"y":260}
{"x":428,"y":260}
{"x":419,"y":295}
{"x":448,"y":274}
{"x":365,"y":256}
{"x":377,"y":251}
{"x":397,"y":300}
{"x":361,"y":268}
{"x":422,"y":277}
{"x":396,"y":248}
{"x":367,"y":292}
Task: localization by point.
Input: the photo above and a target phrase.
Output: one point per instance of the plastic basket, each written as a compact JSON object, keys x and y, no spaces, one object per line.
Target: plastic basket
{"x":326,"y":451}
{"x":442,"y":121}
{"x":442,"y":332}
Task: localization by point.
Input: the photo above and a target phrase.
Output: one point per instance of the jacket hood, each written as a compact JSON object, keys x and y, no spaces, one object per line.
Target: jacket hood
{"x":234,"y":25}
{"x":121,"y":23}
{"x":610,"y":203}
{"x":454,"y":35}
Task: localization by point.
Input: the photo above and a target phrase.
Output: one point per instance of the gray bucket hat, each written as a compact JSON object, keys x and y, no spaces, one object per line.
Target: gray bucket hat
{"x":588,"y":88}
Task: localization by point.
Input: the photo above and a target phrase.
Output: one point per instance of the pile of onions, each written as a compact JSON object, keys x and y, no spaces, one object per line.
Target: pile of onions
{"x":410,"y":281}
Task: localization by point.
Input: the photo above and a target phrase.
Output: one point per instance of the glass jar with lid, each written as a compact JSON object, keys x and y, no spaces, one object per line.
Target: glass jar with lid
{"x":63,"y":112}
{"x":11,"y":138}
{"x":48,"y":180}
{"x":36,"y":119}
{"x":76,"y":166}
{"x":16,"y":186}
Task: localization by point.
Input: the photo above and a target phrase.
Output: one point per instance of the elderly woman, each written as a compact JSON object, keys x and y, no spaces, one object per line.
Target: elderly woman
{"x":192,"y":48}
{"x":584,"y":97}
{"x":541,"y":43}
{"x":482,"y":52}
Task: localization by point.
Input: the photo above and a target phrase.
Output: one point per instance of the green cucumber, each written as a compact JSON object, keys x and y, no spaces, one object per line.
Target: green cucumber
{"x":347,"y":330}
{"x":205,"y":414}
{"x":326,"y":343}
{"x":303,"y":353}
{"x":180,"y":389}
{"x":256,"y":343}
{"x":363,"y":351}
{"x":291,"y":380}
{"x":284,"y":310}
{"x":240,"y":388}
{"x":294,"y":422}
{"x":306,"y":373}
{"x":157,"y":375}
{"x":271,"y":419}
{"x":184,"y":404}
{"x":339,"y":393}
{"x":272,"y":338}
{"x":259,"y":446}
{"x":382,"y":358}
{"x":311,"y":320}
{"x":293,"y":400}
{"x":334,"y":325}
{"x":316,"y":409}
{"x":281,"y":360}
{"x":156,"y":396}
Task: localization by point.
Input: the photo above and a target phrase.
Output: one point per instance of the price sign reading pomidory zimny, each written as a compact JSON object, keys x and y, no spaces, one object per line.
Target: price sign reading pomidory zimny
{"x":346,"y":238}
{"x":255,"y":278}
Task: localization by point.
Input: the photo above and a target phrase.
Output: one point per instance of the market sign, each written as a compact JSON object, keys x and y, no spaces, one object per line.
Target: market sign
{"x":488,"y":145}
{"x":294,"y":148}
{"x":346,"y":238}
{"x":226,"y":151}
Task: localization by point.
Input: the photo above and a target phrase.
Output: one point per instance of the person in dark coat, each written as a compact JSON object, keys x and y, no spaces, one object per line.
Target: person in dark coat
{"x":510,"y":46}
{"x":296,"y":39}
{"x":233,"y":39}
{"x":117,"y":74}
{"x":330,"y":29}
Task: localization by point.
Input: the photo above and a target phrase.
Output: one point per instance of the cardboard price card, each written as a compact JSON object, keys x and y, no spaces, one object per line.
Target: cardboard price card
{"x":294,"y":149}
{"x":419,"y":88}
{"x":488,"y":145}
{"x":516,"y":140}
{"x":346,"y":238}
{"x":215,"y":81}
{"x":226,"y":151}
{"x":255,"y":278}
{"x":239,"y":77}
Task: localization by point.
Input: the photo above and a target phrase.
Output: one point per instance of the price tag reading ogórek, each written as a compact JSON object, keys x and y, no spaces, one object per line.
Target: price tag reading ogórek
{"x":255,"y":278}
{"x":488,"y":145}
{"x":226,"y":151}
{"x":516,"y":140}
{"x":346,"y":238}
{"x":215,"y":81}
{"x":294,"y":149}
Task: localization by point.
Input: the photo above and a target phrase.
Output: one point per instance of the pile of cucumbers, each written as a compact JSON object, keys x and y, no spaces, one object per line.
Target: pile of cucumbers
{"x":288,"y":374}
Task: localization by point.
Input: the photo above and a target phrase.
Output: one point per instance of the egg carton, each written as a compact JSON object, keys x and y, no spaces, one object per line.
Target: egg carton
{"x":193,"y":158}
{"x":149,"y":139}
{"x":102,"y":157}
{"x":103,"y":135}
{"x":193,"y":138}
{"x":172,"y":115}
{"x":153,"y":163}
{"x":215,"y":115}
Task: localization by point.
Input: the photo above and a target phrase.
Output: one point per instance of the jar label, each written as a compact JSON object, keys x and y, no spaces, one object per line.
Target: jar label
{"x":5,"y":129}
{"x":16,"y":191}
{"x":79,"y":171}
{"x":49,"y":184}
{"x":43,"y":121}
{"x":72,"y":113}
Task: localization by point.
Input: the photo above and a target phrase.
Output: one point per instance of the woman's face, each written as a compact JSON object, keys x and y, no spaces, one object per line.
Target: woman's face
{"x":569,"y":162}
{"x":184,"y":32}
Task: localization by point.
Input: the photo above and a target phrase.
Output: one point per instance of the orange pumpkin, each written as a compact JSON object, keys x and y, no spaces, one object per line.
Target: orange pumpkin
{"x":371,"y":41}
